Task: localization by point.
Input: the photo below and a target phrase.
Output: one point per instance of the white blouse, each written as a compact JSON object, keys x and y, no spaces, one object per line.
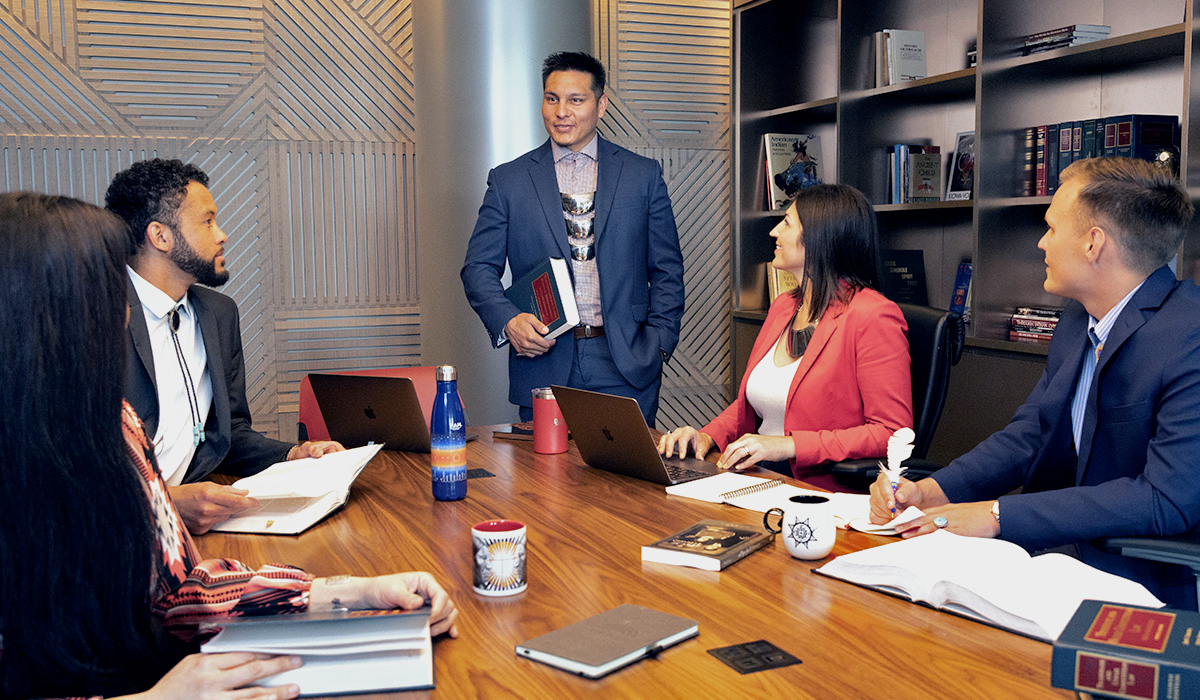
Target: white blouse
{"x":767,"y":391}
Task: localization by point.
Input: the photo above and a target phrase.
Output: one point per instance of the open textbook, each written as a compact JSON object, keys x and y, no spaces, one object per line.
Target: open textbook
{"x":295,"y":495}
{"x":850,"y":510}
{"x":343,"y":652}
{"x":989,"y":580}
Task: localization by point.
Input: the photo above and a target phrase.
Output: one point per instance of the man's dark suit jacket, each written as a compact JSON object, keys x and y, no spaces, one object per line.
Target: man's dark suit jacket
{"x":637,"y":256}
{"x":231,"y":445}
{"x":1138,"y":468}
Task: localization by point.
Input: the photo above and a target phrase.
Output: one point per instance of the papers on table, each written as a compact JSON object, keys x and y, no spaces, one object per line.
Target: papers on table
{"x":758,"y":494}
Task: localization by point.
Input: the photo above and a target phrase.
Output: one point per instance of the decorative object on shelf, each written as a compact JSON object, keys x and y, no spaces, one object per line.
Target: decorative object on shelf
{"x":793,"y":162}
{"x":903,"y":278}
{"x":972,"y":54}
{"x":961,"y":182}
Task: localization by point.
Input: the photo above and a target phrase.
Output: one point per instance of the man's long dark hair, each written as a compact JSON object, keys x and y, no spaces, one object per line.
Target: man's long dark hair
{"x":76,"y":541}
{"x":841,"y":245}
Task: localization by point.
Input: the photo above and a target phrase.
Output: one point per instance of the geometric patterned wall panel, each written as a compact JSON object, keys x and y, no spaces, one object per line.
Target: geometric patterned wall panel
{"x":301,"y":112}
{"x":346,"y":228}
{"x":336,"y":74}
{"x":669,"y":67}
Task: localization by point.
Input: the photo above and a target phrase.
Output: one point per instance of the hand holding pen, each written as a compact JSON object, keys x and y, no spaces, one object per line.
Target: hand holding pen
{"x":900,"y":447}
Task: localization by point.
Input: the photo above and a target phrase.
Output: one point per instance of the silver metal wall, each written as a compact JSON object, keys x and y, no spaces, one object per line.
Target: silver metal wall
{"x":477,"y":72}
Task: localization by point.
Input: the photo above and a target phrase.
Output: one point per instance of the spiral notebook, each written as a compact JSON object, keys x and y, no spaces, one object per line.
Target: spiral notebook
{"x":758,"y":494}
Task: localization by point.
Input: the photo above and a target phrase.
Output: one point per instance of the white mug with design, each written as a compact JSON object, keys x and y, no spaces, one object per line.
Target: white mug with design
{"x":499,"y":551}
{"x":806,"y":523}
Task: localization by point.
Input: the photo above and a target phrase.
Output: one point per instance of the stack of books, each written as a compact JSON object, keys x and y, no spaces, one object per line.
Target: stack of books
{"x":1032,"y":324}
{"x":1071,"y":35}
{"x":1048,"y":149}
{"x":899,"y":56}
{"x":914,"y":173}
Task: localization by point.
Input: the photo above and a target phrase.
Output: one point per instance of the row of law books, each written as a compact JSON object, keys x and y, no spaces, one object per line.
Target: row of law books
{"x":1070,"y":35}
{"x":1033,"y":324}
{"x":1048,"y":149}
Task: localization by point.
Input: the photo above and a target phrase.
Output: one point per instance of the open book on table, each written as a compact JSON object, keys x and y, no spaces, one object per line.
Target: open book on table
{"x":343,"y":652}
{"x":293,"y":496}
{"x":989,"y":580}
{"x":758,"y":494}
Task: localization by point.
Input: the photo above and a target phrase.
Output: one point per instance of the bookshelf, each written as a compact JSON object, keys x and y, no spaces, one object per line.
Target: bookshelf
{"x":806,"y":67}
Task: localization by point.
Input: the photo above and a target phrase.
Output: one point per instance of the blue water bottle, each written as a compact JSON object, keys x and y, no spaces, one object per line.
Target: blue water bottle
{"x":448,"y":439}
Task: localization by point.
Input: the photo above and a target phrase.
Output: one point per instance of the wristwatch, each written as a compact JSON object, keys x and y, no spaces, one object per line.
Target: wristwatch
{"x":996,"y":511}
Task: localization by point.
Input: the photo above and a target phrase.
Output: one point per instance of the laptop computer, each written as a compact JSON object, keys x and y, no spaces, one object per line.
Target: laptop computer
{"x":612,"y":435}
{"x":359,"y":410}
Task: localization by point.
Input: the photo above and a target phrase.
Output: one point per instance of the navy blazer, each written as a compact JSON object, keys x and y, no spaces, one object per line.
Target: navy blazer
{"x":637,"y":256}
{"x":231,"y":445}
{"x":1138,"y":467}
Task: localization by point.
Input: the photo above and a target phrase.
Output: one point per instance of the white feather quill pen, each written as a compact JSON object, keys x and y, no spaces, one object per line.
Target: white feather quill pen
{"x":900,"y":447}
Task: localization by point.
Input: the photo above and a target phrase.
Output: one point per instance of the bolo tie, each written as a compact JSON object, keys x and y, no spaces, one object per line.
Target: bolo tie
{"x":188,"y":385}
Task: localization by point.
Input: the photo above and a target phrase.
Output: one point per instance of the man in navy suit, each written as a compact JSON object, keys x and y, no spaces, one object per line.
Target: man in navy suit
{"x":184,"y":373}
{"x":606,"y":210}
{"x":1108,"y":443}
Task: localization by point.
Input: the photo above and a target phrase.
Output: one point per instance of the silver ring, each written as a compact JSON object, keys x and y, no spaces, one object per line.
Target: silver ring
{"x":940,"y":522}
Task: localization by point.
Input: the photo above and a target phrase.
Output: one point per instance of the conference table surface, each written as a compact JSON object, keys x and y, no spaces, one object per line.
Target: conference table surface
{"x":586,"y":528}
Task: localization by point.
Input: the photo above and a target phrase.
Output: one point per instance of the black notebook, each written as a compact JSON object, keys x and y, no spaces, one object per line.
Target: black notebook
{"x":611,"y":640}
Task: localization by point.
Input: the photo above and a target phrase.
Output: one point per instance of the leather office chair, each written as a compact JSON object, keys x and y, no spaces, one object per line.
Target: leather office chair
{"x":312,"y":423}
{"x":935,"y":344}
{"x":1182,"y":549}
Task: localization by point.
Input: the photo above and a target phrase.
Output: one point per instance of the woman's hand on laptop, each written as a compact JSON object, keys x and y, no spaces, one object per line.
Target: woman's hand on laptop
{"x":700,"y":442}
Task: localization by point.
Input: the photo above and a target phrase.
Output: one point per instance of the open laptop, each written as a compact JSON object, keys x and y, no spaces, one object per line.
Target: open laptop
{"x":360,"y":410}
{"x":612,"y":435}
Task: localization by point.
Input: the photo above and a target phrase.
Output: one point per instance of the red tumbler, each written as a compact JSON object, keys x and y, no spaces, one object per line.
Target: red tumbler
{"x":549,"y":427}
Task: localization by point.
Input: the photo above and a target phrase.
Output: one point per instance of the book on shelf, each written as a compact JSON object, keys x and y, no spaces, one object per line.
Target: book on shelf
{"x":294,"y":495}
{"x":760,"y":495}
{"x":779,"y":282}
{"x":361,"y":651}
{"x":906,"y":162}
{"x":961,"y":181}
{"x":1038,"y":311}
{"x":1151,"y":137}
{"x":1069,"y":30}
{"x":905,"y":49}
{"x":1128,"y":651}
{"x":1092,"y":141}
{"x":959,"y":299}
{"x":546,"y":292}
{"x":1029,"y":322}
{"x":1030,"y":335}
{"x":1066,"y":140}
{"x":711,"y":545}
{"x":792,"y":162}
{"x":1050,"y":45}
{"x":613,"y":639}
{"x":903,"y":278}
{"x":989,"y":580}
{"x":1039,"y":160}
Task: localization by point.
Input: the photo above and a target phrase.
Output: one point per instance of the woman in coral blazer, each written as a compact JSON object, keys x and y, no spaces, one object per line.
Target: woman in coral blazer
{"x":828,"y":378}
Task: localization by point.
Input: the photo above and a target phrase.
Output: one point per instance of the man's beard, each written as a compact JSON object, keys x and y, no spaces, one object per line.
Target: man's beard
{"x":205,"y":271}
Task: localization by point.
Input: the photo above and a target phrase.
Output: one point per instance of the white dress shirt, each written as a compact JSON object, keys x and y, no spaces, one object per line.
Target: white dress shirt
{"x":767,"y":391}
{"x":173,"y":441}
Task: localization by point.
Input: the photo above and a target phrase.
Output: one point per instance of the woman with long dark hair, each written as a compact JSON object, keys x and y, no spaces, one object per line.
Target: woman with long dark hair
{"x":828,"y":378}
{"x":101,"y":588}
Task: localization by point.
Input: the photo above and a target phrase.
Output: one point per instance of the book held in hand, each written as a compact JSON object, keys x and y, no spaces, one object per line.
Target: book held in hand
{"x":989,"y":580}
{"x":1129,"y":652}
{"x":546,"y":292}
{"x":611,"y":640}
{"x":711,"y":545}
{"x":293,"y":496}
{"x":344,"y":652}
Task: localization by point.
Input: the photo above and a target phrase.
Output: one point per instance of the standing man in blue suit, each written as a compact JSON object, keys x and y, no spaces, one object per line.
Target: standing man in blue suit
{"x":1108,"y":443}
{"x":184,"y":372}
{"x":606,"y":209}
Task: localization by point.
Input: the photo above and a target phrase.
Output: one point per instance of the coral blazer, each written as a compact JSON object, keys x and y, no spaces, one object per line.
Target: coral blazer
{"x":853,"y":387}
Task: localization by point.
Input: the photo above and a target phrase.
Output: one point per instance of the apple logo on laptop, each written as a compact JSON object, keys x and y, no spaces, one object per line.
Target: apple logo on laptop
{"x":370,"y":412}
{"x":607,"y":434}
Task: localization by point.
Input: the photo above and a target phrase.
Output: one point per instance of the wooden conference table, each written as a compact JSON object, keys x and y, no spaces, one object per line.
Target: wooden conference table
{"x":585,"y":532}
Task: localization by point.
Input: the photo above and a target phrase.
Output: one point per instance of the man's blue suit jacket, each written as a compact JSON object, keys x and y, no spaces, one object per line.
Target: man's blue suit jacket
{"x":1138,"y":468}
{"x":637,"y":255}
{"x":231,"y":445}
